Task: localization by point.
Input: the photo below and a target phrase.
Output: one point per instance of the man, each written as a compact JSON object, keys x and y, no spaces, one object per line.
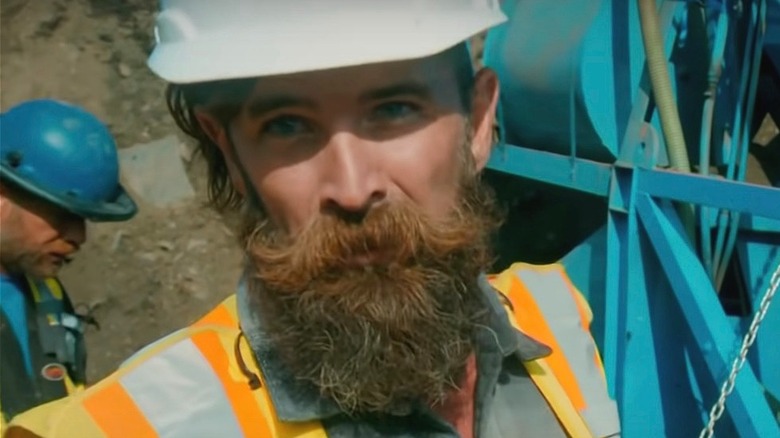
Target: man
{"x":58,"y":167}
{"x":351,"y":136}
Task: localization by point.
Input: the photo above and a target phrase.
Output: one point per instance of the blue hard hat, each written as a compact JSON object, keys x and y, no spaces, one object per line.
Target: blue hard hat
{"x":65,"y":155}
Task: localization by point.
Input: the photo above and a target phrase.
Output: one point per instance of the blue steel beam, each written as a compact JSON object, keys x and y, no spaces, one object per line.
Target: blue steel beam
{"x":714,"y":335}
{"x":747,"y":222}
{"x":617,"y":283}
{"x":758,"y":223}
{"x":714,"y":192}
{"x":575,"y":173}
{"x":757,"y":261}
{"x":749,"y":84}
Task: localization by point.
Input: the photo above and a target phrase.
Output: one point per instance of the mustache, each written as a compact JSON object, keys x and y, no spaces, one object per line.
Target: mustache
{"x":398,"y":235}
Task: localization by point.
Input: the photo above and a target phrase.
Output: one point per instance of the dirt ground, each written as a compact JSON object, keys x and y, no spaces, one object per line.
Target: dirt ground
{"x":163,"y":269}
{"x":157,"y":272}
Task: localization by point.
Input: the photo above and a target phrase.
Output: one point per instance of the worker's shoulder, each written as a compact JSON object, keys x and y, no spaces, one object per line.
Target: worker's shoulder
{"x":37,"y":422}
{"x":75,"y":415}
{"x":528,"y":273}
{"x":222,"y":318}
{"x":521,"y":282}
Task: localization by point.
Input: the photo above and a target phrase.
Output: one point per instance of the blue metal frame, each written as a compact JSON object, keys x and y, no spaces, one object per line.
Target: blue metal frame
{"x":650,"y":268}
{"x":666,"y":340}
{"x":714,"y":335}
{"x":580,"y":174}
{"x":713,"y":192}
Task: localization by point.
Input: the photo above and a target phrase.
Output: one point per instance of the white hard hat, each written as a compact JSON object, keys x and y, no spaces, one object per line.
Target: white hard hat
{"x":204,"y":40}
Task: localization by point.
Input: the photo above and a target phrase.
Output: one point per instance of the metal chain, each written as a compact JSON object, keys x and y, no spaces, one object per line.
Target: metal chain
{"x":728,"y":386}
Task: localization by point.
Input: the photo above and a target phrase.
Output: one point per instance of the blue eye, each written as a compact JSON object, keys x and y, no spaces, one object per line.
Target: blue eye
{"x":394,"y":111}
{"x":285,"y":126}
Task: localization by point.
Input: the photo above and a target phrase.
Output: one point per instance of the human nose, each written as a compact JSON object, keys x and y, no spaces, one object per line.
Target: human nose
{"x":74,"y":231}
{"x":354,"y":182}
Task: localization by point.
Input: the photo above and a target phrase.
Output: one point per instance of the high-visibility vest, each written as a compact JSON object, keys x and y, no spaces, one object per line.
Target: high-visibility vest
{"x":56,"y":347}
{"x":203,"y":380}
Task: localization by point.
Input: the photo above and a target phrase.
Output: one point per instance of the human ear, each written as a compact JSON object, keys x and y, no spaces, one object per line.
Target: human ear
{"x":216,"y":131}
{"x":483,"y":115}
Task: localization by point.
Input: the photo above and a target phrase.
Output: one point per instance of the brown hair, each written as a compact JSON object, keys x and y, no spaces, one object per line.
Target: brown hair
{"x":223,"y":99}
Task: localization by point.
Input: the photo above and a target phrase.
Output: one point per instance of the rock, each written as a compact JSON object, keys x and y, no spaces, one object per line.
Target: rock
{"x":148,"y":257}
{"x":196,"y":243}
{"x":124,"y":70}
{"x":155,"y":173}
{"x":186,"y":152}
{"x":105,"y":56}
{"x":767,"y":132}
{"x":227,"y":231}
{"x":117,"y":240}
{"x":96,"y":303}
{"x":165,"y":245}
{"x":49,"y":25}
{"x":194,"y":289}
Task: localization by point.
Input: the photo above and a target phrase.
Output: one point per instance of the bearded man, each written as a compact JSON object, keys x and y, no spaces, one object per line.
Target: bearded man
{"x":351,"y":137}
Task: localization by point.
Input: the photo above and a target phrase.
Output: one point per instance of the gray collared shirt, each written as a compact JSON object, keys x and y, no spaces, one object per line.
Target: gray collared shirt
{"x":507,"y":403}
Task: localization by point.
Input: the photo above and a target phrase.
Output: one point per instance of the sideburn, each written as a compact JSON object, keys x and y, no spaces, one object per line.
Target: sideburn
{"x":380,"y":338}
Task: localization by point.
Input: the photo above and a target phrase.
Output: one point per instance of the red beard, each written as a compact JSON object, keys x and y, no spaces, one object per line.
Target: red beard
{"x":377,"y":313}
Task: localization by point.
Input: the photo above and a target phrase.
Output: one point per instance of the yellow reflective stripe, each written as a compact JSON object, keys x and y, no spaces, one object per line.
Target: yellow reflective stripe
{"x":54,"y":288}
{"x":71,"y":387}
{"x":63,"y":418}
{"x":531,"y":317}
{"x":224,"y":315}
{"x":279,"y":429}
{"x":151,"y":350}
{"x":559,"y":400}
{"x":569,"y":320}
{"x":34,"y":289}
{"x":528,"y":318}
{"x":569,"y":317}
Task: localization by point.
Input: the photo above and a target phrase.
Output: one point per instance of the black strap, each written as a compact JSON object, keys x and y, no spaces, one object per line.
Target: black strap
{"x":60,"y":329}
{"x":20,"y":390}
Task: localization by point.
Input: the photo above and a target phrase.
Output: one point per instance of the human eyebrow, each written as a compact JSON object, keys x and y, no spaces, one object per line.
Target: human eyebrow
{"x":415,"y":89}
{"x":263,"y":105}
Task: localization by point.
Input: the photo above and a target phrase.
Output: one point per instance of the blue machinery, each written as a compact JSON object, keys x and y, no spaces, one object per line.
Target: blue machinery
{"x":654,"y":155}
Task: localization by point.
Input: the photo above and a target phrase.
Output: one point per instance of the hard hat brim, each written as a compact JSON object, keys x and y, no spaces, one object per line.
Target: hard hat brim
{"x":312,"y":46}
{"x":121,"y":208}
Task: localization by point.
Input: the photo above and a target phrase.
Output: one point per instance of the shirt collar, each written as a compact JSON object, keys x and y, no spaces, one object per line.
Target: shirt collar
{"x":298,"y":401}
{"x":509,"y":339}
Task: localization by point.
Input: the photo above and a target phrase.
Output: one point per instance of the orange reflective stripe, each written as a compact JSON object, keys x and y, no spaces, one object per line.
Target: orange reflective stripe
{"x":116,"y":414}
{"x":219,"y":316}
{"x":530,"y":318}
{"x":247,"y":411}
